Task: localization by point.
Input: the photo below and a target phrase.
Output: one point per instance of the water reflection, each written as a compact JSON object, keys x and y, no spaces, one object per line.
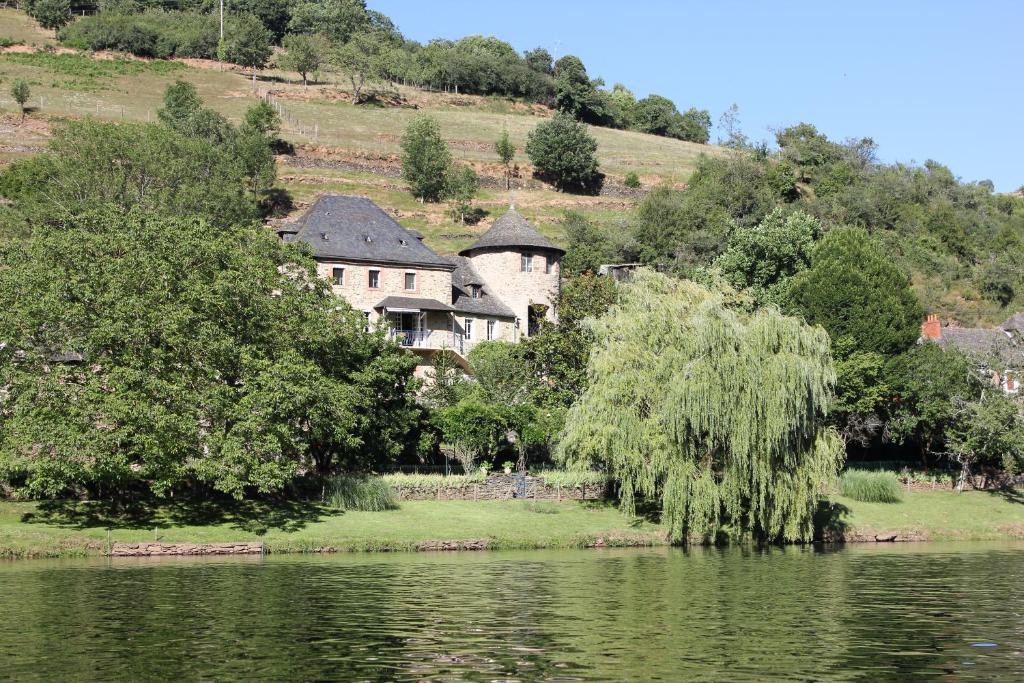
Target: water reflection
{"x":864,"y":613}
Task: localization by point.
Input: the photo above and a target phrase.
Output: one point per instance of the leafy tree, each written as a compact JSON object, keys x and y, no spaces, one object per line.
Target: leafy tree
{"x":854,"y":290}
{"x":539,"y":60}
{"x":988,"y":431}
{"x":362,"y":59}
{"x":304,"y":54}
{"x":183,"y":111}
{"x":657,"y":115}
{"x":248,"y":43}
{"x":210,"y":355}
{"x":718,"y":451}
{"x":425,"y":158}
{"x":473,"y":427}
{"x":506,"y":151}
{"x":622,"y":102}
{"x":149,"y":166}
{"x":21,"y":92}
{"x":336,"y":19}
{"x":929,"y":382}
{"x":575,"y":94}
{"x":590,"y":246}
{"x":274,"y":14}
{"x":445,"y":381}
{"x":564,"y":154}
{"x":694,"y":125}
{"x":729,"y":123}
{"x":51,"y":14}
{"x":460,"y":186}
{"x":764,"y":258}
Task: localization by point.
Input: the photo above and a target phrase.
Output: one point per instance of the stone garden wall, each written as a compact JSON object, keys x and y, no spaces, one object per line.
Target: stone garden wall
{"x":502,"y":487}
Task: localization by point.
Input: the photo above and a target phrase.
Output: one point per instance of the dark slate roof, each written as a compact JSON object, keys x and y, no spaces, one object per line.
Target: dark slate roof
{"x":356,"y":229}
{"x":512,"y":230}
{"x":984,"y":342}
{"x":415,"y":303}
{"x":463,"y":278}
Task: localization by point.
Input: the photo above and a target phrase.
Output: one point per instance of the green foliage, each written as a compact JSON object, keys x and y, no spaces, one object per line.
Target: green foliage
{"x":461,"y":184}
{"x":685,"y":228}
{"x":564,"y":154}
{"x":304,"y":54}
{"x":21,"y":92}
{"x":870,"y":487}
{"x":51,"y":14}
{"x":474,"y":428}
{"x":678,"y":412}
{"x":764,"y":258}
{"x":210,"y":355}
{"x":362,"y":58}
{"x":658,"y":115}
{"x":432,"y":482}
{"x":987,"y":431}
{"x":338,"y":20}
{"x":248,"y":42}
{"x":572,"y":479}
{"x":930,"y":381}
{"x":154,"y":33}
{"x":129,"y":165}
{"x":360,"y":492}
{"x":854,"y":290}
{"x":425,"y":158}
{"x":632,"y":180}
{"x":506,"y":152}
{"x":86,"y":67}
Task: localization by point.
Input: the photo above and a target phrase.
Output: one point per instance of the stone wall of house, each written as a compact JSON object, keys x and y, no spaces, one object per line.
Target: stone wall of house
{"x":501,"y":270}
{"x":503,"y":487}
{"x":504,"y":329}
{"x":431,"y":283}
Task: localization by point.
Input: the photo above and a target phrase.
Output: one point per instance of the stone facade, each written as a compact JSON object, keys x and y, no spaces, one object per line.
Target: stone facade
{"x":430,"y":283}
{"x":503,"y":271}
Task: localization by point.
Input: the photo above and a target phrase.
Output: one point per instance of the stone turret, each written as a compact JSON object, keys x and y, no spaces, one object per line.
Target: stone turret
{"x":521,"y":267}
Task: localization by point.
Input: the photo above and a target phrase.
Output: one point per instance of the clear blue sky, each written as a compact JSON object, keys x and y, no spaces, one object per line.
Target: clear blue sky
{"x":927,"y":80}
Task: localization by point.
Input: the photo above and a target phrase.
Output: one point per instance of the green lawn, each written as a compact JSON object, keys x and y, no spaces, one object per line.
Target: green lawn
{"x":942,"y":515}
{"x":78,"y":529}
{"x":74,"y":529}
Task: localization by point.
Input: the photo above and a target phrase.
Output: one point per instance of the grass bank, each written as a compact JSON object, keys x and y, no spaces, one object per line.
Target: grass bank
{"x":68,"y":529}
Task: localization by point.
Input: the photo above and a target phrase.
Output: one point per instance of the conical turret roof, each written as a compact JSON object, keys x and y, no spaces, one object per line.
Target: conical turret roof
{"x":512,"y":230}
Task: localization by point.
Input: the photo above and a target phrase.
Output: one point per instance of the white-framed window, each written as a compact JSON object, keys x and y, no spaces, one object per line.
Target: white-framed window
{"x":373,"y":279}
{"x":549,"y":264}
{"x":338,"y":275}
{"x":526,"y":263}
{"x":410,"y":282}
{"x":467,"y":328}
{"x":491,"y":329}
{"x":475,"y":290}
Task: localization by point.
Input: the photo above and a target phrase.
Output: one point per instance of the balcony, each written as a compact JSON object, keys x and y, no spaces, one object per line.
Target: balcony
{"x":432,"y":339}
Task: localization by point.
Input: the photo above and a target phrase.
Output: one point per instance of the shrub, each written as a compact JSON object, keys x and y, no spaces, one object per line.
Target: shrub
{"x":564,"y":154}
{"x":360,"y":492}
{"x":870,"y":487}
{"x":431,"y":482}
{"x":569,"y":479}
{"x":632,"y":180}
{"x":155,"y":33}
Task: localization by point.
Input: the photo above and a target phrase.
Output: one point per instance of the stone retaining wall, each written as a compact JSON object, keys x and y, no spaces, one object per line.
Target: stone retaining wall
{"x":502,"y":487}
{"x":167,"y":549}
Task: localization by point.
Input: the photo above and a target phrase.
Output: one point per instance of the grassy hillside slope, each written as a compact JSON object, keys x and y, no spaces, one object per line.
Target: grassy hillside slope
{"x":340,"y":147}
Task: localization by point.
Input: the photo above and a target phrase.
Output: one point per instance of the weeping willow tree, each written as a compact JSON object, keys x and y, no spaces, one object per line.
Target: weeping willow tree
{"x":716,"y":413}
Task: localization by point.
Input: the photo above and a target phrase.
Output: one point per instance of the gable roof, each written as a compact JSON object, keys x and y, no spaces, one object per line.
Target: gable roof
{"x":464,"y":277}
{"x":984,"y":342}
{"x":356,"y":229}
{"x":512,"y":230}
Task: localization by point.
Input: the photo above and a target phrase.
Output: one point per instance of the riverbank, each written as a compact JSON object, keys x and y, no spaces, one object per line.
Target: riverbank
{"x":72,"y":529}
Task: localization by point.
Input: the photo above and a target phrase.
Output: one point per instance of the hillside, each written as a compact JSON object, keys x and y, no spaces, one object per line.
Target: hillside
{"x":339,"y":147}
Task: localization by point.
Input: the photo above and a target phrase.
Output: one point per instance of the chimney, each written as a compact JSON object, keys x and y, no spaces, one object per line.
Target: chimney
{"x":931,"y":328}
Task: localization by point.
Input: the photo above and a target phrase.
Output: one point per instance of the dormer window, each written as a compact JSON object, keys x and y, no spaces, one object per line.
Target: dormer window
{"x":526,"y":263}
{"x":324,"y":236}
{"x":404,"y":243}
{"x":475,"y":291}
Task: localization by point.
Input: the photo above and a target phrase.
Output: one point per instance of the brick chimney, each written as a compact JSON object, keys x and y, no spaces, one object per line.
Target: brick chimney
{"x":931,"y":328}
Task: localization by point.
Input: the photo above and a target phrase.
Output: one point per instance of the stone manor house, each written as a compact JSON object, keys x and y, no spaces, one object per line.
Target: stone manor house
{"x":499,"y":288}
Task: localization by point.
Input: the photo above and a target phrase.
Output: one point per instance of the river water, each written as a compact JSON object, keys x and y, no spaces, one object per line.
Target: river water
{"x":916,"y":611}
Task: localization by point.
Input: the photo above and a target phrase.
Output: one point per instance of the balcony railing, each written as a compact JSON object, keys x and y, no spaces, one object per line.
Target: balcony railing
{"x":433,"y":339}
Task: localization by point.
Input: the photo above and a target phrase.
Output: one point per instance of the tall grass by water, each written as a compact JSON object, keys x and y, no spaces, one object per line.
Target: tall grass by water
{"x":870,"y":487}
{"x":360,"y":492}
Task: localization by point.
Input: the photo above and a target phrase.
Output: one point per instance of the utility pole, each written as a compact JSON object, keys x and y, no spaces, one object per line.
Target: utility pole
{"x":222,"y":21}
